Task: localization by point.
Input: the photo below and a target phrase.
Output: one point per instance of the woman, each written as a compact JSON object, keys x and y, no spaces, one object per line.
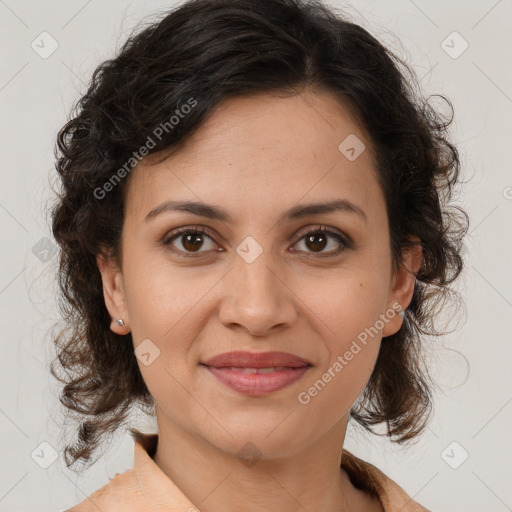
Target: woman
{"x":256,"y":228}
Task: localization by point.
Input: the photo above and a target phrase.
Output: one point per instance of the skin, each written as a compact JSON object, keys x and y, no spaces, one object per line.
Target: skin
{"x":257,"y":157}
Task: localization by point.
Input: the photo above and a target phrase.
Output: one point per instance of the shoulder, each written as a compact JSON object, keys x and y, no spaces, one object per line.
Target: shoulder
{"x":369,"y":478}
{"x":119,"y":494}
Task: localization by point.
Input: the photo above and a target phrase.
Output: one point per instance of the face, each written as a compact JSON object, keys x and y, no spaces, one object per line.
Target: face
{"x":259,"y":279}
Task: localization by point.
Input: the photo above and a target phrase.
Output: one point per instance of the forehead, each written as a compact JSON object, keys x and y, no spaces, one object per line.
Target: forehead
{"x":264,"y":150}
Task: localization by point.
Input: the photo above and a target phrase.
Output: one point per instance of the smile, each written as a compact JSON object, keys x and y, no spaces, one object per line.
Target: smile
{"x":257,"y":381}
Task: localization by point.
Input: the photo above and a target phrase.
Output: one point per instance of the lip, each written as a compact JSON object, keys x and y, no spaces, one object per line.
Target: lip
{"x":230,"y":369}
{"x":241,"y":359}
{"x":257,"y":384}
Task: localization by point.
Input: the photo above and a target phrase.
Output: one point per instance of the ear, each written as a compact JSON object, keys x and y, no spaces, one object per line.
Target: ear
{"x":114,"y":294}
{"x":402,"y":286}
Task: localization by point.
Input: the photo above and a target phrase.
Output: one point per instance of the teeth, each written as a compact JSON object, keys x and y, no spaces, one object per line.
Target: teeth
{"x":258,"y":370}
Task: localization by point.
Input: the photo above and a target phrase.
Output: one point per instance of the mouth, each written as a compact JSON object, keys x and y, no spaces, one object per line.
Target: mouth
{"x":272,"y":369}
{"x":256,"y":360}
{"x":257,"y":374}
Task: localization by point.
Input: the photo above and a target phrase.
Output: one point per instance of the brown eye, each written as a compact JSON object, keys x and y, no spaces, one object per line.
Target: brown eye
{"x":192,"y":242}
{"x":316,"y":240}
{"x":188,"y":240}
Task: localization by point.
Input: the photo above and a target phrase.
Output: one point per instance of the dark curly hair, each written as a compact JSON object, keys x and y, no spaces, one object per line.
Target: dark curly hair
{"x":208,"y":51}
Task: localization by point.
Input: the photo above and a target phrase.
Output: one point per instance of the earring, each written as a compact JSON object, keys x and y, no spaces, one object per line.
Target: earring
{"x":120,"y":322}
{"x":402,"y":313}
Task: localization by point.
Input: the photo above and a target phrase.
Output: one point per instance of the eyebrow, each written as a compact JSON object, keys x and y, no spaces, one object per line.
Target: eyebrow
{"x":296,"y":212}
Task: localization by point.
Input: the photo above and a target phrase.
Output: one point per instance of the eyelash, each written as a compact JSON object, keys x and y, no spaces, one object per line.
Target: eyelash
{"x":346,"y":243}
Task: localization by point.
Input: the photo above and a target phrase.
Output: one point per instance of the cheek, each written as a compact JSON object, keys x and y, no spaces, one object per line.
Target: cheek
{"x":169,"y":306}
{"x":333,"y":391}
{"x":166,"y":306}
{"x":341,"y":377}
{"x":161,"y":296}
{"x":348,"y":309}
{"x":345,"y":302}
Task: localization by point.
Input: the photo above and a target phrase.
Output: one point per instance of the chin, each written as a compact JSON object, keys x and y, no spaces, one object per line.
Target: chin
{"x":252,"y":441}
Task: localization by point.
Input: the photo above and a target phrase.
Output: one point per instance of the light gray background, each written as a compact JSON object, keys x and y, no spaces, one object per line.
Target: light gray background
{"x":474,"y":409}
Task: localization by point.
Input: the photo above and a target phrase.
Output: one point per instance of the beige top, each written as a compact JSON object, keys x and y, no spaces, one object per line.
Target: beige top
{"x":146,"y":488}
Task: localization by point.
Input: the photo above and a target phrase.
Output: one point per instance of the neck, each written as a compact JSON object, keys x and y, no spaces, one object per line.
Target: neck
{"x":218,"y":480}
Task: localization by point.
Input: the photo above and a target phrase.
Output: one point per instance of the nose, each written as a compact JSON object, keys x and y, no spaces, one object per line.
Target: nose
{"x":257,"y":298}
